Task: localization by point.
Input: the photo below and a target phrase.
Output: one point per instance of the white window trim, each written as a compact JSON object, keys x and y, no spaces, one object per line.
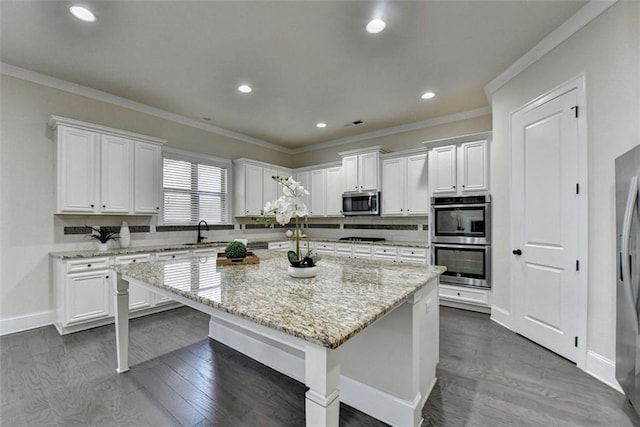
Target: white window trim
{"x":192,"y":157}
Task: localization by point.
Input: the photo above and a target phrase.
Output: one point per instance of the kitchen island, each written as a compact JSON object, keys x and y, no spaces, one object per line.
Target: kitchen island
{"x":362,"y":332}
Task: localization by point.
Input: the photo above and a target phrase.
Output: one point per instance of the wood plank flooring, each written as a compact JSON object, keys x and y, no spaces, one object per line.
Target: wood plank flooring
{"x":488,"y":376}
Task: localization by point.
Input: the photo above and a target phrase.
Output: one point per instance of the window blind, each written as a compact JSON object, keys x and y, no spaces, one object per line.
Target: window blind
{"x":193,"y":191}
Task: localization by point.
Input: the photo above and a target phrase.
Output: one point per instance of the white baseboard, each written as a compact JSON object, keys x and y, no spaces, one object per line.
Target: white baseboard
{"x":501,"y":316}
{"x":602,"y":369}
{"x":12,"y":325}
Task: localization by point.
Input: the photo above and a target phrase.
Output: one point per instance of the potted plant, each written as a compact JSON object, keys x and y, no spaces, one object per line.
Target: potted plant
{"x":102,"y":235}
{"x":287,"y":206}
{"x":236,"y":250}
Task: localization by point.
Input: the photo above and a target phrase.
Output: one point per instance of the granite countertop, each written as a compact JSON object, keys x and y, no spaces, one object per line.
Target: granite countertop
{"x":183,"y":246}
{"x":346,"y":296}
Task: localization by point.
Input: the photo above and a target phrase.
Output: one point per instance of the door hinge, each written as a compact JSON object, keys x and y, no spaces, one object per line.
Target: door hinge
{"x":575,"y":107}
{"x":577,"y":188}
{"x":576,"y":341}
{"x":577,"y":265}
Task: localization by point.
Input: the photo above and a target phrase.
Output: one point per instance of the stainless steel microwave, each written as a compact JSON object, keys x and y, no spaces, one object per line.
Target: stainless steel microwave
{"x":365,"y":203}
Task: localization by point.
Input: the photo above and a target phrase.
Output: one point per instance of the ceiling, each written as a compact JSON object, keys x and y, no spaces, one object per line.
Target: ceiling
{"x":307,"y":61}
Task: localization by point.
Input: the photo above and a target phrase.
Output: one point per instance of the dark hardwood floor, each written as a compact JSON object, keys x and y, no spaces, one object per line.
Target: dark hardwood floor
{"x":488,"y":376}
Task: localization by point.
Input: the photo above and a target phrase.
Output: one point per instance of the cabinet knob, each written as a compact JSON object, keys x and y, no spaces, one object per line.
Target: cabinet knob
{"x":134,"y":260}
{"x":462,"y":185}
{"x":408,"y":210}
{"x":173,"y":256}
{"x":88,"y":265}
{"x":104,"y":206}
{"x":92,"y":205}
{"x":157,"y":208}
{"x":458,"y":293}
{"x":106,"y":277}
{"x":454,"y":186}
{"x":401,"y":209}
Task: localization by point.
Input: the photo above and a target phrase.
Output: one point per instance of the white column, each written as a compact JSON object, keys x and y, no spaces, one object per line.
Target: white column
{"x":121,"y":304}
{"x":322,"y":373}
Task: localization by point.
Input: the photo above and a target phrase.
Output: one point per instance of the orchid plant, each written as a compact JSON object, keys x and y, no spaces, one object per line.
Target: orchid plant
{"x":289,"y":205}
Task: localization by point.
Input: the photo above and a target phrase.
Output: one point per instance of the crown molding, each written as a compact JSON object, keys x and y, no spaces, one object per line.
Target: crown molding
{"x":581,"y":18}
{"x":98,"y":95}
{"x":478,"y":112}
{"x":44,"y":80}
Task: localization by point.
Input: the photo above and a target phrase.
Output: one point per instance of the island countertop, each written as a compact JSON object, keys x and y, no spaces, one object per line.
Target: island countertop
{"x":346,"y":296}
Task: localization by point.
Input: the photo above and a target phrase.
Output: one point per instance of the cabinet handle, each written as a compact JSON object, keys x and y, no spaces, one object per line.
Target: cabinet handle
{"x":134,"y":260}
{"x":107,"y":277}
{"x":408,"y":210}
{"x":173,"y":256}
{"x":104,"y":206}
{"x":157,"y":208}
{"x":458,"y":293}
{"x":88,"y":265}
{"x":411,"y":252}
{"x":462,"y":185}
{"x":454,"y":186}
{"x":401,"y":210}
{"x":92,"y":205}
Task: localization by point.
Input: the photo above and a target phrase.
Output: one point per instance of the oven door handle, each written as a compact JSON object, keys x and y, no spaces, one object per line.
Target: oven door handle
{"x":470,"y":205}
{"x":449,"y":246}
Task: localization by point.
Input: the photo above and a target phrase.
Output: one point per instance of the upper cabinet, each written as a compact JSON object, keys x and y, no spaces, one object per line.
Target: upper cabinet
{"x":102,"y":170}
{"x":459,"y":168}
{"x":325,"y":187}
{"x":404,"y":185}
{"x":361,"y":170}
{"x":254,"y":185}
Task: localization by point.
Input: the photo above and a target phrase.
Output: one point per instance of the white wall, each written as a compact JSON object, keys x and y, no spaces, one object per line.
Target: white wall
{"x":607,"y":50}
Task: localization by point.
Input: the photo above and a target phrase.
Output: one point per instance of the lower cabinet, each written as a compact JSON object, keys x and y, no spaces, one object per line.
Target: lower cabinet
{"x":83,"y":293}
{"x":468,"y":298}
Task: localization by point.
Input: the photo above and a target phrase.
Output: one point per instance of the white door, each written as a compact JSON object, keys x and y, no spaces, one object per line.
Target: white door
{"x":393,"y":184}
{"x":333,"y":193}
{"x":147,"y":178}
{"x":269,"y":186}
{"x":115,"y":174}
{"x":304,"y":179}
{"x":443,"y":169}
{"x":473,"y":166}
{"x":368,"y":171}
{"x":417,"y":197}
{"x":317,"y":207}
{"x":350,"y":173}
{"x":253,"y":189}
{"x":546,"y":296}
{"x":76,"y":171}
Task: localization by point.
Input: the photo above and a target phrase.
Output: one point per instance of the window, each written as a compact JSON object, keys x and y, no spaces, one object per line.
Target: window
{"x":193,"y":189}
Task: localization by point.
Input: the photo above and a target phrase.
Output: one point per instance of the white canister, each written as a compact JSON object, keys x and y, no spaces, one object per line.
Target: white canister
{"x":125,"y":235}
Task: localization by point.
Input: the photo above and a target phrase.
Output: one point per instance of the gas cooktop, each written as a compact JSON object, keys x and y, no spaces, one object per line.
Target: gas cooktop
{"x":363,"y":239}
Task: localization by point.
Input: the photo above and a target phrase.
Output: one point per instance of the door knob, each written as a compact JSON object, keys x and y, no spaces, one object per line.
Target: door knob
{"x":517,"y":252}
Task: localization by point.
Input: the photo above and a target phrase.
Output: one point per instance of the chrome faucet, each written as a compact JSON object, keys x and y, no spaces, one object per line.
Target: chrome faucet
{"x":200,"y":237}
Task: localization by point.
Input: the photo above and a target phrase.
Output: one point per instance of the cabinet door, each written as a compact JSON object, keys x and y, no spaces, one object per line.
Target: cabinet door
{"x":269,"y":186}
{"x":139,"y":298}
{"x":76,"y":170}
{"x":88,"y":296}
{"x":393,"y":183}
{"x":115,"y":174}
{"x":443,"y":166}
{"x":417,"y":195}
{"x":284,"y":173}
{"x":473,"y":166}
{"x":147,"y":178}
{"x":368,"y":171}
{"x":304,"y":178}
{"x":333,"y":193}
{"x":317,"y":207}
{"x":253,"y":189}
{"x":350,"y":173}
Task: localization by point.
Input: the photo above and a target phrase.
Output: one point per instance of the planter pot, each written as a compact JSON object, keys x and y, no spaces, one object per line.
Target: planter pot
{"x":102,"y":246}
{"x":302,"y":272}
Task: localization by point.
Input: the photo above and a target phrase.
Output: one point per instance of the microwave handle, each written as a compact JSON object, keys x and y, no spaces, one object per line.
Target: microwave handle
{"x":370,"y":202}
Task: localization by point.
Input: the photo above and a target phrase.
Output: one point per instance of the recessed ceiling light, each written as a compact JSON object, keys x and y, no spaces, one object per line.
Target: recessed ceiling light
{"x":82,"y":13}
{"x":321,"y":125}
{"x":428,"y":95}
{"x":245,"y":88}
{"x":375,"y":26}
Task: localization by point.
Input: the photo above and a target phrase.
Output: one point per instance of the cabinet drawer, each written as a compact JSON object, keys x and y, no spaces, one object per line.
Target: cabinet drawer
{"x":165,"y":256}
{"x":385,"y":251}
{"x":325,"y":248}
{"x":467,"y":295}
{"x":343,"y":249}
{"x":280,"y":245}
{"x":87,"y":264}
{"x":128,"y":259}
{"x":362,"y":251}
{"x":413,"y":252}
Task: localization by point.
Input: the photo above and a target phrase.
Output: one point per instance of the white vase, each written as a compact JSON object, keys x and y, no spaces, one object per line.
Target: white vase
{"x":302,"y":272}
{"x":102,"y":247}
{"x":125,"y":235}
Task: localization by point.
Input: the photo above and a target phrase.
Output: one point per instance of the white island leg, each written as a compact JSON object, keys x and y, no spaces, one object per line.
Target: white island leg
{"x":322,"y":373}
{"x":121,"y":303}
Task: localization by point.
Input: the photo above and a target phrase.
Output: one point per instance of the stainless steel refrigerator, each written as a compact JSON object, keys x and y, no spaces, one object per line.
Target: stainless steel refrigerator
{"x":628,"y":274}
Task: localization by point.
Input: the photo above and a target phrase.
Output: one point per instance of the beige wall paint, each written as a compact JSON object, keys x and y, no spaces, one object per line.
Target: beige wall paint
{"x":608,"y":51}
{"x":397,"y":142}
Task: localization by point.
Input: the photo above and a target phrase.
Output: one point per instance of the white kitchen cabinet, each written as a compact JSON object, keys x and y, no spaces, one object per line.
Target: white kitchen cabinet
{"x":360,"y":250}
{"x":254,"y":186}
{"x":464,"y":297}
{"x":459,"y":169}
{"x":115,"y":174}
{"x":473,"y":173}
{"x":139,"y":298}
{"x":404,"y":185}
{"x":96,"y":169}
{"x":283,"y":246}
{"x":304,"y":178}
{"x":412,"y":255}
{"x":318,"y":178}
{"x":361,"y":171}
{"x":324,"y":248}
{"x":147,"y":180}
{"x":88,"y":296}
{"x":333,"y":192}
{"x":76,"y":165}
{"x":384,"y":253}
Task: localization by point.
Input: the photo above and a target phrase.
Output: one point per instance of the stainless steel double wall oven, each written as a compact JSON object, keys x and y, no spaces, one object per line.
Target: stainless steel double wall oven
{"x":461,"y":239}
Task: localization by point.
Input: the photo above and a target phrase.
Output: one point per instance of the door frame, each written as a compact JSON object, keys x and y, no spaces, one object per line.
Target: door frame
{"x":577,"y":83}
